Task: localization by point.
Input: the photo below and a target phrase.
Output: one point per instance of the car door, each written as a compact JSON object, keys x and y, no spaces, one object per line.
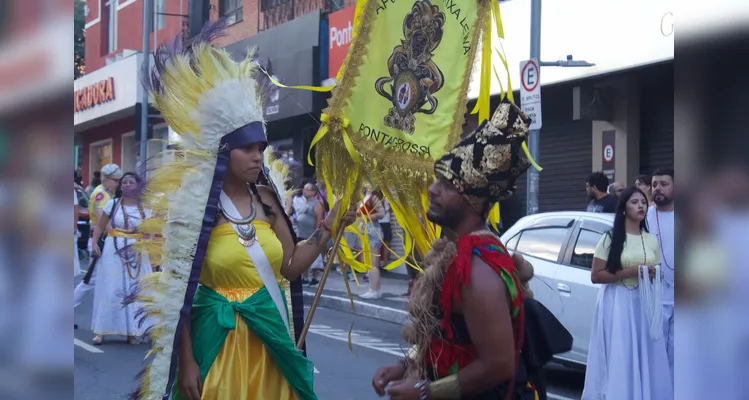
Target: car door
{"x":543,"y":243}
{"x":578,"y":294}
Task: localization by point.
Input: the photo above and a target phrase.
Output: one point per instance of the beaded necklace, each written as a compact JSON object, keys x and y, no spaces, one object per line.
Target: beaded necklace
{"x":645,"y":262}
{"x":131,"y":261}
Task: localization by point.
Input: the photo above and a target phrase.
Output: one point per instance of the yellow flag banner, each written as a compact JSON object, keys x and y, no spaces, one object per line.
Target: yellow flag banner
{"x":400,"y":101}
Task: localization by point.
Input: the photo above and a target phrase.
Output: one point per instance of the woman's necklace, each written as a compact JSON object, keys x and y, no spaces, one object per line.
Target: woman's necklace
{"x":131,"y":260}
{"x":244,"y":227}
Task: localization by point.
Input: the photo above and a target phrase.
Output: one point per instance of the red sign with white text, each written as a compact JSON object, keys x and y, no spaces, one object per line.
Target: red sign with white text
{"x":340,"y":27}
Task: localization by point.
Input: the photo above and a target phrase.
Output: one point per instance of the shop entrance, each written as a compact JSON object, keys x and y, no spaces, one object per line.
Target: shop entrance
{"x":100,"y":155}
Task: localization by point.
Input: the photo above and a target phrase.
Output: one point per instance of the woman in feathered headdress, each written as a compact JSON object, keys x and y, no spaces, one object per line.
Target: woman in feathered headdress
{"x":220,"y":222}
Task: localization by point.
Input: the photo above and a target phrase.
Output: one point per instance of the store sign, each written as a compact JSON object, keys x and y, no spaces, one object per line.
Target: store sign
{"x":95,"y":94}
{"x":108,"y":92}
{"x":341,"y":26}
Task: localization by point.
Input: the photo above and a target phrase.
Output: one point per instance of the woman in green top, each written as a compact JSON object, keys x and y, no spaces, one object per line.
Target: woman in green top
{"x":624,"y":362}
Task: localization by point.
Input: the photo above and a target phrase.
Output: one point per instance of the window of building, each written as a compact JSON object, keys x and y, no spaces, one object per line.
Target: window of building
{"x":231,"y":10}
{"x":112,"y":36}
{"x":543,"y":243}
{"x":159,"y":18}
{"x":585,"y":247}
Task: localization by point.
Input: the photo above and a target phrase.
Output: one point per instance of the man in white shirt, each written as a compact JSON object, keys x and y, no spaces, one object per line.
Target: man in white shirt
{"x":661,"y":224}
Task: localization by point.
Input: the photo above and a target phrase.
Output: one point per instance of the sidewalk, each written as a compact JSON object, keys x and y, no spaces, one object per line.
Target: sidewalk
{"x":391,"y":307}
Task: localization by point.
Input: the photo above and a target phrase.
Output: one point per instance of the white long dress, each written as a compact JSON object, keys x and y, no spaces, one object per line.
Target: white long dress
{"x":114,"y":281}
{"x":624,"y":363}
{"x":76,"y":260}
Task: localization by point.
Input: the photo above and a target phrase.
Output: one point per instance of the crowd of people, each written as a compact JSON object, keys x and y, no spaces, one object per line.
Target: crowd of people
{"x":632,"y":337}
{"x":227,"y":304}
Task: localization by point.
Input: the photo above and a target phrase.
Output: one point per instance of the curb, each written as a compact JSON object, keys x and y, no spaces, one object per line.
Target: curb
{"x":361,"y":308}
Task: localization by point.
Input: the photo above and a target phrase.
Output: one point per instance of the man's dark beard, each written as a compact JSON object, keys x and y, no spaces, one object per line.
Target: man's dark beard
{"x":450,"y":219}
{"x":665,"y":200}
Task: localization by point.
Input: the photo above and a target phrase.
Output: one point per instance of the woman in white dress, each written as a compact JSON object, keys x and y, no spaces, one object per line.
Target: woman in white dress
{"x":624,"y":361}
{"x":120,"y":265}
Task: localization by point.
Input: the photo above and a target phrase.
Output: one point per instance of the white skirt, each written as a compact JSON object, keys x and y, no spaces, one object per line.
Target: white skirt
{"x":113,"y":282}
{"x":624,"y":363}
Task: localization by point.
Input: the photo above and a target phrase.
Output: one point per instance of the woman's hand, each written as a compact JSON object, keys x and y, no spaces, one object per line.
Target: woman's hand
{"x":348,"y":218}
{"x":95,"y":250}
{"x":190,"y":385}
{"x":404,"y":390}
{"x":386,"y":375}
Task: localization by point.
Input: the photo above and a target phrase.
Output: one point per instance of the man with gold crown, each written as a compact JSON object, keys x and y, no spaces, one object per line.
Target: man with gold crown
{"x":468,"y":309}
{"x":219,"y":308}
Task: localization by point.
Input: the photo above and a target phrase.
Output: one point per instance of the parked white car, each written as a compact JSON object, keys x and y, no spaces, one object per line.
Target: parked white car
{"x":560,"y":245}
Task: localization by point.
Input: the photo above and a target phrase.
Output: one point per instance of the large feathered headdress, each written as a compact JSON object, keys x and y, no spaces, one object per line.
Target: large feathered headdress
{"x":215,"y":104}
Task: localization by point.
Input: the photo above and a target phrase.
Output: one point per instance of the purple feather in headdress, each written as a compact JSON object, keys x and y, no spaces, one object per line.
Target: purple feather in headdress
{"x":151,"y":77}
{"x":265,"y":87}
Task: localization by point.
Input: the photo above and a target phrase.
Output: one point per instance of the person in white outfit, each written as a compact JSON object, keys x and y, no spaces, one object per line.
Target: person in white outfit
{"x":627,"y":358}
{"x":661,"y":224}
{"x":121,"y":265}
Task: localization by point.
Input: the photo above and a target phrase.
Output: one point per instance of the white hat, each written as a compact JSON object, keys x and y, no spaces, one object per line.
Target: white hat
{"x":111,"y":170}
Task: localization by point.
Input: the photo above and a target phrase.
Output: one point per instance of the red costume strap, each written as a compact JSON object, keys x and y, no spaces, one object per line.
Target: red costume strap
{"x":494,"y":254}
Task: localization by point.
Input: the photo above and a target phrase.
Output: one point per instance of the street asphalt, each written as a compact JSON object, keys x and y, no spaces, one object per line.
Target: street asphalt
{"x":108,"y":371}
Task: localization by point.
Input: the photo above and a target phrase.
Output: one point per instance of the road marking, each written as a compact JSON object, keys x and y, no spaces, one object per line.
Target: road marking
{"x":359,"y":302}
{"x":86,"y":346}
{"x":558,"y":397}
{"x":359,"y":338}
{"x":362,"y":338}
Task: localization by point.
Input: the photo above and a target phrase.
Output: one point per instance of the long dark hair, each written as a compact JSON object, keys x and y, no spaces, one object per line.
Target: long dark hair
{"x":141,"y":184}
{"x":618,"y":234}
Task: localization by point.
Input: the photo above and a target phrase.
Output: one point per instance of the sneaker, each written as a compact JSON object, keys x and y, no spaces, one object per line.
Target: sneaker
{"x":371,"y":295}
{"x":314,"y":282}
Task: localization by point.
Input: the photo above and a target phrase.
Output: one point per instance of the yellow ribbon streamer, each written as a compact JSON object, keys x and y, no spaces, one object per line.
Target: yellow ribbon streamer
{"x":483,"y":104}
{"x":501,"y":51}
{"x":325,"y":121}
{"x":494,"y":217}
{"x":322,"y":89}
{"x":530,"y":158}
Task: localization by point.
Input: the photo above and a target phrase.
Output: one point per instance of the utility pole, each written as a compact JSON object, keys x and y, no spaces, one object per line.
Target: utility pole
{"x":147,"y":19}
{"x":531,"y":198}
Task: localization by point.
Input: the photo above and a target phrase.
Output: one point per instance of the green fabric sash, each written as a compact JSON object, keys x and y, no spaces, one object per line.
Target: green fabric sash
{"x":212,"y":318}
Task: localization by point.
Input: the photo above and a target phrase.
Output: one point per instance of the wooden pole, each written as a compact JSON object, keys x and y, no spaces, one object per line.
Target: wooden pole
{"x":318,"y":294}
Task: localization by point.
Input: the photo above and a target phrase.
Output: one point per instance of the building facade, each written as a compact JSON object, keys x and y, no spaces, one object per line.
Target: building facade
{"x":615,"y":116}
{"x":107,"y":99}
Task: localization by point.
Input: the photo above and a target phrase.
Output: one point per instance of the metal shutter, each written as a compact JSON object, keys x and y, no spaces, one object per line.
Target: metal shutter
{"x":566,"y":150}
{"x":657,"y":119}
{"x":566,"y":147}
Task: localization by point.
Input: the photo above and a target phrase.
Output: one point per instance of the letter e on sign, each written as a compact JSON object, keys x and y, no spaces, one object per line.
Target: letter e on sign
{"x":530,"y":92}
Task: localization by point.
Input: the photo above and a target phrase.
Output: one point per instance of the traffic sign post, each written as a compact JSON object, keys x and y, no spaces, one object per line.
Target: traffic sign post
{"x":530,"y":103}
{"x":530,"y":92}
